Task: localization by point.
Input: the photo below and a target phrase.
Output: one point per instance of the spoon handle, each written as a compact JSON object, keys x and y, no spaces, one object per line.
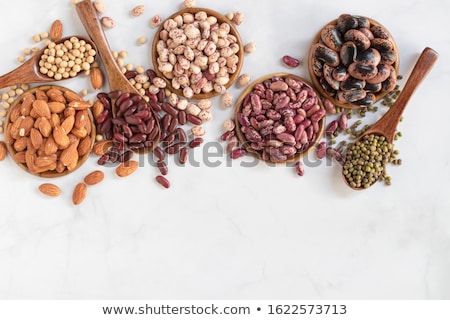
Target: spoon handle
{"x":388,"y":123}
{"x":91,"y":23}
{"x":26,"y":73}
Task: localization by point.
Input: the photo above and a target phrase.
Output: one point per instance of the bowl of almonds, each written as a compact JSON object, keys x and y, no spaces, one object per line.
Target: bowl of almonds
{"x":279,"y":118}
{"x":353,"y":61}
{"x":198,"y":52}
{"x":49,"y":131}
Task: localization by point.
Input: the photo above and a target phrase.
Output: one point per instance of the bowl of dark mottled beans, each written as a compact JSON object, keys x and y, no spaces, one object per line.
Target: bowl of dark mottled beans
{"x":353,"y":61}
{"x":279,"y":118}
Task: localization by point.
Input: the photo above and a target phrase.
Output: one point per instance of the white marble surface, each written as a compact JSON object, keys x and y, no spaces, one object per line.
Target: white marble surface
{"x":232,"y":232}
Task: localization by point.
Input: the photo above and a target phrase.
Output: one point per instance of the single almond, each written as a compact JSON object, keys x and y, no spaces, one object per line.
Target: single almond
{"x":36,"y":138}
{"x":80,"y":133}
{"x":94,"y":177}
{"x":19,"y":157}
{"x":81,"y":119}
{"x":45,"y":128}
{"x":55,"y":120}
{"x":127,"y":168}
{"x":50,"y":189}
{"x":96,"y":77}
{"x":20,"y":144}
{"x":56,"y":106}
{"x":56,"y":95}
{"x":60,"y":136}
{"x":102,"y":147}
{"x":69,"y":157}
{"x":25,"y":126}
{"x":72,"y":96}
{"x":50,"y":146}
{"x":44,"y":161}
{"x":79,"y":105}
{"x":56,"y":30}
{"x":41,"y":108}
{"x":85,"y":146}
{"x":97,"y":108}
{"x":79,"y":193}
{"x":68,"y":123}
{"x":2,"y":151}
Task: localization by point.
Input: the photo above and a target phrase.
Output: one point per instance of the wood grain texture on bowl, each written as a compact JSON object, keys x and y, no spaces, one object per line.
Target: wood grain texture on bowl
{"x":332,"y":94}
{"x":50,"y":131}
{"x":220,"y":20}
{"x":301,"y":151}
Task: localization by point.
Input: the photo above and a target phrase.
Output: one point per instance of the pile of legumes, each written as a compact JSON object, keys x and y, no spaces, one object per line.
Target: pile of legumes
{"x":365,"y":160}
{"x":197,"y":53}
{"x":279,"y":119}
{"x":354,"y":61}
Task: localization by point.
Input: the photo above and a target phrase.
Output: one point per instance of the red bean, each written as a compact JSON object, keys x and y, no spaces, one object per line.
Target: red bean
{"x":153,"y":134}
{"x":181,"y":135}
{"x":196,"y":142}
{"x":173,"y":148}
{"x":163,"y":181}
{"x":182,"y":117}
{"x":138,"y":137}
{"x":291,"y":61}
{"x":165,"y":122}
{"x":162,"y":166}
{"x":237,"y":153}
{"x":103,"y":159}
{"x":194,"y":120}
{"x":168,"y":140}
{"x":127,"y":155}
{"x":159,"y":153}
{"x":103,"y":116}
{"x":169,"y":109}
{"x":122,"y":98}
{"x":184,"y":152}
{"x":114,"y":94}
{"x":227,"y":135}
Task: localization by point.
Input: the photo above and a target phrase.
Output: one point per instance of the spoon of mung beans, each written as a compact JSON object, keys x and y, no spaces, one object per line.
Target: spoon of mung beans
{"x":59,"y":60}
{"x":365,"y":159}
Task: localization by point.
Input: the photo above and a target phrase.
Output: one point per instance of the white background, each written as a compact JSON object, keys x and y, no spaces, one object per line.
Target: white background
{"x":232,"y":232}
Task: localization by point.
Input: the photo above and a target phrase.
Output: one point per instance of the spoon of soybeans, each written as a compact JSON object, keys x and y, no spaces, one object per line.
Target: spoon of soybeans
{"x":29,"y":71}
{"x":365,"y":159}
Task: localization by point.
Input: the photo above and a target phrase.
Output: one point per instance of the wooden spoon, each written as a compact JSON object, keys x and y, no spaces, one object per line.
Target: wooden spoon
{"x":116,"y":79}
{"x":28,"y":72}
{"x":387,"y":125}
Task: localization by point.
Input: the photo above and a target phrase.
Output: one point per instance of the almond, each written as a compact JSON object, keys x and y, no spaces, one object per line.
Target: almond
{"x":36,"y":138}
{"x":44,"y":161}
{"x":56,"y":106}
{"x":50,"y":146}
{"x":45,"y":128}
{"x":56,"y":95}
{"x":61,"y":137}
{"x":56,"y":30}
{"x":69,"y":157}
{"x":79,"y":193}
{"x":127,"y":168}
{"x":55,"y":120}
{"x":20,"y":144}
{"x":2,"y":151}
{"x":97,"y":109}
{"x":19,"y":157}
{"x":79,"y":105}
{"x":85,"y":146}
{"x":25,"y":126}
{"x":72,"y":96}
{"x":94,"y":177}
{"x":96,"y":77}
{"x":41,"y":95}
{"x":68,"y":123}
{"x":80,"y":133}
{"x":50,"y":189}
{"x":102,"y":147}
{"x":41,"y":108}
{"x":81,"y":119}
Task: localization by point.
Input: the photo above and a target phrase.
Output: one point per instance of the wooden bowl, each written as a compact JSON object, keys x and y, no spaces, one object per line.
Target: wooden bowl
{"x":220,"y":19}
{"x":247,"y":145}
{"x":316,"y":80}
{"x":13,"y":133}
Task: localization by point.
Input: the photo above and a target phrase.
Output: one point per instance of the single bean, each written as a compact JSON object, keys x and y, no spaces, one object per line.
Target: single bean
{"x":114,"y":94}
{"x":162,"y":166}
{"x":173,"y":125}
{"x":169,"y":109}
{"x":103,"y":116}
{"x":163,"y":181}
{"x":173,"y":149}
{"x":159,"y":153}
{"x":122,"y":98}
{"x":167,"y":141}
{"x":182,"y":117}
{"x":183,"y":156}
{"x":237,"y":153}
{"x":153,"y":134}
{"x":227,"y":135}
{"x":138,"y":138}
{"x":194,"y":119}
{"x":180,"y":134}
{"x":165,"y":122}
{"x":126,"y":156}
{"x":195,"y":142}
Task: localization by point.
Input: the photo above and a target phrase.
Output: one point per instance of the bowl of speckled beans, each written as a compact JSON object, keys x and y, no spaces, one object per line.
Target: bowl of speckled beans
{"x":279,"y":118}
{"x":198,"y":52}
{"x":353,"y":61}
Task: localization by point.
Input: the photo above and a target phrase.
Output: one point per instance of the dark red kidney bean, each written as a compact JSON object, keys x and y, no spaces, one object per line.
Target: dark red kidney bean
{"x":127,"y":155}
{"x":169,"y":109}
{"x":161,"y":96}
{"x":149,"y":144}
{"x":119,"y":122}
{"x":122,"y":98}
{"x":114,"y":156}
{"x":119,"y":146}
{"x":173,"y":125}
{"x":137,"y":138}
{"x":142,"y":127}
{"x":159,"y":153}
{"x":153,"y":134}
{"x":151,"y":74}
{"x":105,"y":126}
{"x":103,"y":116}
{"x":163,"y":135}
{"x":120,"y":137}
{"x":163,"y":181}
{"x":142,"y":105}
{"x":103,"y":159}
{"x":130,"y":111}
{"x":130,"y":74}
{"x":193,"y":119}
{"x":168,"y":140}
{"x":162,"y":166}
{"x":149,"y":126}
{"x":136,"y":146}
{"x":127,"y":103}
{"x":173,"y":148}
{"x":182,"y":117}
{"x":135,"y":129}
{"x":114,"y":94}
{"x":133,"y":119}
{"x":108,"y":135}
{"x":165,"y":122}
{"x":143,"y":114}
{"x":154,"y":104}
{"x":181,"y":135}
{"x":184,"y":152}
{"x":196,"y":142}
{"x":104,"y":99}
